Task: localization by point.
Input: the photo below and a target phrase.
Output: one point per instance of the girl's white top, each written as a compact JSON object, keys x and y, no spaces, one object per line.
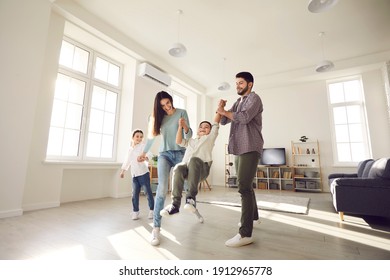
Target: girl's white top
{"x":137,"y":168}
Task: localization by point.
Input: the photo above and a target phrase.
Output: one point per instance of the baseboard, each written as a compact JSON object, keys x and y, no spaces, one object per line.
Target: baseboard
{"x":121,"y":195}
{"x":11,"y":213}
{"x":38,"y":206}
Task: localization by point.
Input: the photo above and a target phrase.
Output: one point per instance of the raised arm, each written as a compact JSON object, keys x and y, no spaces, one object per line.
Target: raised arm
{"x":179,"y":134}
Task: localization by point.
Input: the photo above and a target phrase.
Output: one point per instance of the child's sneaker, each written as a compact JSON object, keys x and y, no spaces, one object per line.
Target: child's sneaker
{"x":150,"y":215}
{"x":190,"y":205}
{"x":135,"y":215}
{"x":169,"y":210}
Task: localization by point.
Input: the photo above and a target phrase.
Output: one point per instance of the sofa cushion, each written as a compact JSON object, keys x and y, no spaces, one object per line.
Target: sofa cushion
{"x":361,"y":167}
{"x":380,"y":169}
{"x":367,"y":168}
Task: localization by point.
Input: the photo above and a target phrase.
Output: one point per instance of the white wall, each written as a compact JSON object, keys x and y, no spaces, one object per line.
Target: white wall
{"x":23,"y":34}
{"x":290,"y":112}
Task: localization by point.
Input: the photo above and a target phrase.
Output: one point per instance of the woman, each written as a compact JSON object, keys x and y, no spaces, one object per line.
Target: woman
{"x":164,"y":121}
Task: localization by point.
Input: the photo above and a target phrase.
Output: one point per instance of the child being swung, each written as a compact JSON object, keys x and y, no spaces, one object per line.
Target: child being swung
{"x":195,"y":166}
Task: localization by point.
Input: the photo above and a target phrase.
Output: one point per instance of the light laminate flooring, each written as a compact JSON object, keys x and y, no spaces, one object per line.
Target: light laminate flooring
{"x":102,"y":229}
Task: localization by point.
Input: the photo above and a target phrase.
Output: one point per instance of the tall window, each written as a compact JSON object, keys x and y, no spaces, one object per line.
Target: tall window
{"x":85,"y":107}
{"x":348,"y":118}
{"x":178,"y":101}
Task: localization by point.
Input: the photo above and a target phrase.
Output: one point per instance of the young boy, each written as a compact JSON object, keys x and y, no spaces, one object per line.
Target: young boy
{"x":195,"y":166}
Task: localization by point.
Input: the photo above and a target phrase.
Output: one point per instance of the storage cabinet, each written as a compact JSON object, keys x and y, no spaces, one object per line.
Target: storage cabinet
{"x":306,"y":163}
{"x":274,"y":177}
{"x":153,"y":177}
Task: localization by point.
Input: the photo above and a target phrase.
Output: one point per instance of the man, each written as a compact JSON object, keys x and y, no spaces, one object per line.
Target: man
{"x":246,"y":143}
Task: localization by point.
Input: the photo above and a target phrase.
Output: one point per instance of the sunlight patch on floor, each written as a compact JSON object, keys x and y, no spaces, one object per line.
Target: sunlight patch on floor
{"x":76,"y":252}
{"x":367,"y":239}
{"x":139,"y":240}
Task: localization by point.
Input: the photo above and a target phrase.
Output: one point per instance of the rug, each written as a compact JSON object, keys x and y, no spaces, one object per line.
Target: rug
{"x":290,"y":204}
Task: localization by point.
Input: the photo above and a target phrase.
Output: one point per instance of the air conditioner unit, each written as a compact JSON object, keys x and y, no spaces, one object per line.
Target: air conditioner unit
{"x":148,"y":71}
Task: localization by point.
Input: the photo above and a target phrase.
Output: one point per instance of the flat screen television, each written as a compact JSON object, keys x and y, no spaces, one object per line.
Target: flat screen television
{"x":273,"y":157}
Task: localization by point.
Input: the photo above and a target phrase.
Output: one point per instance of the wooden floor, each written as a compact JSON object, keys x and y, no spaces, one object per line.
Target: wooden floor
{"x":102,"y":229}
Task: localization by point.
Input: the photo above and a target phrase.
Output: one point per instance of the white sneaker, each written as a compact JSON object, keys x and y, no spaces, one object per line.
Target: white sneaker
{"x":190,"y":205}
{"x":135,"y":215}
{"x":150,"y":215}
{"x":238,"y":241}
{"x":255,"y":222}
{"x":155,"y":237}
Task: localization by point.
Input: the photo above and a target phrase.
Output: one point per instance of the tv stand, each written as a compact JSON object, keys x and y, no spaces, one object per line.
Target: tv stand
{"x":274,"y":177}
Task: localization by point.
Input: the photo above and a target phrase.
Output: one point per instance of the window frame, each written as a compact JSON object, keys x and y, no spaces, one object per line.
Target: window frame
{"x":364,"y":121}
{"x":91,"y":81}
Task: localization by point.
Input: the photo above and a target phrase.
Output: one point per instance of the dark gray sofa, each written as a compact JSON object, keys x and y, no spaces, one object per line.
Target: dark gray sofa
{"x":366,"y":192}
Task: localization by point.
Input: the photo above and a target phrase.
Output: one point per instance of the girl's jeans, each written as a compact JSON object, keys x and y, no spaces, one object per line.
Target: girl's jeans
{"x":138,"y":183}
{"x":166,"y":160}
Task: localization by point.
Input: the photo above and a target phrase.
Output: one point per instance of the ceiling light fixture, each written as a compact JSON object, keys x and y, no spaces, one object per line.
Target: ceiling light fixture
{"x":324,"y":65}
{"x":224,"y":85}
{"x":319,"y":6}
{"x":178,"y":49}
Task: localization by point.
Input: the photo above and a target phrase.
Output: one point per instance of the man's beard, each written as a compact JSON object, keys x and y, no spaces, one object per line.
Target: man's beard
{"x":243,"y":91}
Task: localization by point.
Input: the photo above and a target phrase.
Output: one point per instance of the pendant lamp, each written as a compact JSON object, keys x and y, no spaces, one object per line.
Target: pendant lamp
{"x":224,"y":85}
{"x":319,"y":6}
{"x":324,"y":65}
{"x":178,"y":49}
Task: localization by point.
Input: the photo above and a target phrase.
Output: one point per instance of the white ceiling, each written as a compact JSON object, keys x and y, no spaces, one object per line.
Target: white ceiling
{"x":276,"y":40}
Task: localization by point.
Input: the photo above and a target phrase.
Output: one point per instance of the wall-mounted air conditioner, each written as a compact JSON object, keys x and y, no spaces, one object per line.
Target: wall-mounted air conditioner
{"x":148,"y":71}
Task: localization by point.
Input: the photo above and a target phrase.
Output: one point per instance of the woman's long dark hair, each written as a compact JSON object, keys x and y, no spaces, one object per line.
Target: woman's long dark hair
{"x":158,"y":111}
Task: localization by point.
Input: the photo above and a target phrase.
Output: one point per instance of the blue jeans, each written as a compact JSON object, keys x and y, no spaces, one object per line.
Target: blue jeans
{"x":166,"y":160}
{"x":138,"y":183}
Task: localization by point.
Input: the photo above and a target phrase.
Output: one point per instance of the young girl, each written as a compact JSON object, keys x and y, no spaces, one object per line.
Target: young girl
{"x":140,"y":173}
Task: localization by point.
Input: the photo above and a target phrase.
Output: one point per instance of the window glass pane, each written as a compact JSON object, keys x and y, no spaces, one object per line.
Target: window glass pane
{"x":343,"y":152}
{"x":98,"y":98}
{"x":55,"y":141}
{"x":62,"y":87}
{"x":354,"y":114}
{"x":355,"y":133}
{"x":73,"y":116}
{"x":336,"y":93}
{"x":178,"y":101}
{"x":109,"y":123}
{"x":101,"y":69}
{"x":107,"y":145}
{"x":358,"y":152}
{"x":71,"y":143}
{"x":58,"y":114}
{"x":113,"y":75}
{"x":94,"y":143}
{"x":80,"y":60}
{"x":352,"y":90}
{"x":340,"y":115}
{"x":342,"y":134}
{"x":96,"y":121}
{"x":66,"y":55}
{"x":77,"y":90}
{"x":111,"y":102}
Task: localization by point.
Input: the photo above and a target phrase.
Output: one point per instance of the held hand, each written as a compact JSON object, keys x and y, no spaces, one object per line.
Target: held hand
{"x":182,"y":122}
{"x":221,"y":103}
{"x":141,"y":157}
